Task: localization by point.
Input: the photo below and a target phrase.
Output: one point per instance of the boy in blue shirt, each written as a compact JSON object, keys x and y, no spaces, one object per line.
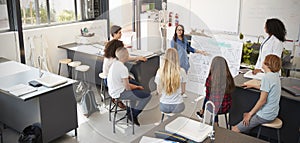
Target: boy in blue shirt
{"x":267,"y":107}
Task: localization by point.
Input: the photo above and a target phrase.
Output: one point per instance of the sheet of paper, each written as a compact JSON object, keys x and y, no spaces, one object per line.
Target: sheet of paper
{"x":20,"y":89}
{"x":140,"y":53}
{"x":252,"y":76}
{"x":146,"y":139}
{"x":12,"y":67}
{"x":89,"y":49}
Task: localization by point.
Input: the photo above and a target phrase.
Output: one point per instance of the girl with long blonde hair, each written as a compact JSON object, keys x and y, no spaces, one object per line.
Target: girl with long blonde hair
{"x":171,"y":80}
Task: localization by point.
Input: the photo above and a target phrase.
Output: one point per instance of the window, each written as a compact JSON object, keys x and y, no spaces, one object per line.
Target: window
{"x":37,"y":12}
{"x":4,"y":23}
{"x":62,"y":11}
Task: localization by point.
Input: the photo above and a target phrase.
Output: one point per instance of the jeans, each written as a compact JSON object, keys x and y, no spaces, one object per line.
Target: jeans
{"x":136,"y":95}
{"x":172,"y":108}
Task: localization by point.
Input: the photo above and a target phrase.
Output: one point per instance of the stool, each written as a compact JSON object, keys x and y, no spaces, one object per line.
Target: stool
{"x":163,"y":115}
{"x":65,"y":62}
{"x":83,"y":69}
{"x":73,"y":65}
{"x":102,"y":86}
{"x":276,"y":124}
{"x":226,"y":119}
{"x":127,"y":103}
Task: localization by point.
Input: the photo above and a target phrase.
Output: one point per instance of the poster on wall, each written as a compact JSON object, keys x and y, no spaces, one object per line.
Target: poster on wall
{"x":200,"y":64}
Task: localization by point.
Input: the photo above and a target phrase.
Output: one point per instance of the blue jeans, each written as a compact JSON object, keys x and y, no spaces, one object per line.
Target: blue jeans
{"x":136,"y":95}
{"x":171,"y":108}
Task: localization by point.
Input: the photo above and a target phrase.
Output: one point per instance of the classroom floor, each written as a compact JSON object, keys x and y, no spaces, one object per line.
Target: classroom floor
{"x":97,"y":128}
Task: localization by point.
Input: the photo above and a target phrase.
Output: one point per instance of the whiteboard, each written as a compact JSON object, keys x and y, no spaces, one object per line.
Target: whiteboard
{"x":218,"y":15}
{"x":254,"y":13}
{"x":200,"y":64}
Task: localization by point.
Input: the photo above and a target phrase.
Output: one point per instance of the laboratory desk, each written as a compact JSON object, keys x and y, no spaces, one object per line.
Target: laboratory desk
{"x":53,"y":108}
{"x":243,"y":100}
{"x":221,"y":135}
{"x":144,"y":72}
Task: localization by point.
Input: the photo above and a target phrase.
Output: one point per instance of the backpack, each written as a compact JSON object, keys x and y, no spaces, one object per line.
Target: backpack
{"x":31,"y":134}
{"x":88,"y":103}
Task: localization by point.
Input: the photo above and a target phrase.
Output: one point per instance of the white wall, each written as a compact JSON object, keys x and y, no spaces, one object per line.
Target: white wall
{"x":9,"y":46}
{"x":54,"y":36}
{"x":120,"y":13}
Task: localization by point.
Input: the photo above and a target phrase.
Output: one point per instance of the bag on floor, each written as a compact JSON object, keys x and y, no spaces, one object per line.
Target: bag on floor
{"x":31,"y":134}
{"x":88,"y":103}
{"x":80,"y":89}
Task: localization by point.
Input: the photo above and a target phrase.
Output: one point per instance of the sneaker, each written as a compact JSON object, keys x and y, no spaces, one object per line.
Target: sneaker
{"x":135,"y":120}
{"x":120,"y":104}
{"x":184,"y":95}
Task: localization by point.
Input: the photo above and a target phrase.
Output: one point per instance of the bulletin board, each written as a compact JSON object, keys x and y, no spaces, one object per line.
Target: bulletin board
{"x":254,"y":14}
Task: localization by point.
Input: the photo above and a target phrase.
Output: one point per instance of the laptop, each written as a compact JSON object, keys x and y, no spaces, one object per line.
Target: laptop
{"x":291,"y":85}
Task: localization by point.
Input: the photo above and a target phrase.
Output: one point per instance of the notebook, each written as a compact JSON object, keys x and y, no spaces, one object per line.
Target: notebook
{"x":51,"y":81}
{"x":291,"y":85}
{"x":189,"y":129}
{"x":20,"y":89}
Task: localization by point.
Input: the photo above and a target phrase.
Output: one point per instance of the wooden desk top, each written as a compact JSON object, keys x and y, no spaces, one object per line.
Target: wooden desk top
{"x":221,"y":135}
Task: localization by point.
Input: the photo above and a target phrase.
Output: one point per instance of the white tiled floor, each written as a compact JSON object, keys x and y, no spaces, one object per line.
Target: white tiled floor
{"x":97,"y":128}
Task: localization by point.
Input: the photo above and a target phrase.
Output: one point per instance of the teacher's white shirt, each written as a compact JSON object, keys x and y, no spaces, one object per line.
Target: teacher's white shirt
{"x":271,"y":45}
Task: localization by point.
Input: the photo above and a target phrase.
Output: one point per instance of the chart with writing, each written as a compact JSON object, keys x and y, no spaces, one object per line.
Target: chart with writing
{"x":200,"y":64}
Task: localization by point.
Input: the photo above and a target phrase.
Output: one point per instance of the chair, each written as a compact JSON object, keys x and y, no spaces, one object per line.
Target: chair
{"x":65,"y":62}
{"x":73,"y":65}
{"x":167,"y":114}
{"x":115,"y":110}
{"x":276,"y":124}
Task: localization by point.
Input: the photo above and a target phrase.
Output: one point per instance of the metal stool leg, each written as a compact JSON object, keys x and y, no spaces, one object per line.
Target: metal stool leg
{"x":278,"y":135}
{"x":226,"y":121}
{"x":1,"y":135}
{"x":101,"y":91}
{"x":59,"y":66}
{"x":114,"y":121}
{"x":110,"y":109}
{"x":162,"y":117}
{"x":258,"y":133}
{"x":131,"y":119}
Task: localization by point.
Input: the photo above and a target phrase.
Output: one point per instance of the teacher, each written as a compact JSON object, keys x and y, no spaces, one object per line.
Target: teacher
{"x":273,"y":44}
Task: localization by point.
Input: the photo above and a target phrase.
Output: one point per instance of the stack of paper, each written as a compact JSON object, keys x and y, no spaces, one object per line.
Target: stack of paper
{"x":21,"y":89}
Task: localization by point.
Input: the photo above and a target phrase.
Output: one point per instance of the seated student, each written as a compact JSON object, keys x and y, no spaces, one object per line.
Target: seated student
{"x":110,"y":56}
{"x":267,"y":107}
{"x":219,"y":86}
{"x":171,"y":81}
{"x":118,"y":85}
